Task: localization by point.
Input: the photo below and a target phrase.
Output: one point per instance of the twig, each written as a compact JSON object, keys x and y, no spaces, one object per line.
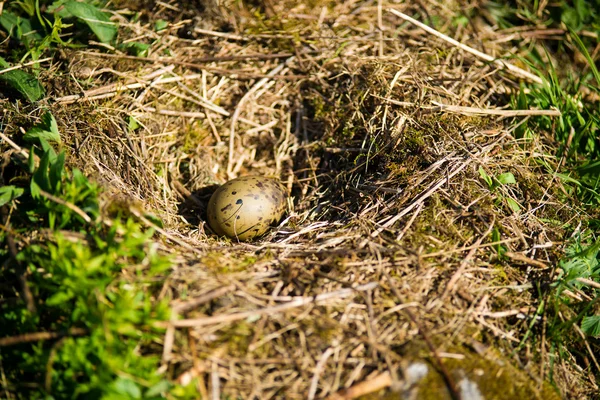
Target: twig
{"x":494,"y":111}
{"x":472,"y":110}
{"x":312,"y":391}
{"x":21,"y":269}
{"x":50,"y":364}
{"x":429,"y":192}
{"x":459,"y":272}
{"x":169,"y":340}
{"x":381,"y":381}
{"x":496,"y":331}
{"x":421,"y":198}
{"x":465,"y":248}
{"x":15,"y":146}
{"x":508,"y":313}
{"x":224,"y":35}
{"x":587,"y":346}
{"x":193,"y":303}
{"x":198,"y":366}
{"x":302,"y":301}
{"x":70,"y":206}
{"x":164,"y":233}
{"x":171,"y":60}
{"x":410,"y":222}
{"x":19,"y":66}
{"x":524,"y":259}
{"x":238,"y":110}
{"x":502,"y":64}
{"x":219,"y":71}
{"x":310,"y":228}
{"x":114,"y":89}
{"x":454,"y":393}
{"x":192,"y":114}
{"x":590,"y":283}
{"x":215,"y":382}
{"x":37,"y":336}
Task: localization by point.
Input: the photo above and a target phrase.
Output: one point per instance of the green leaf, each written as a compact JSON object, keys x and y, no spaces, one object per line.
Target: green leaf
{"x":570,"y":18}
{"x":47,"y":148}
{"x":127,"y":387}
{"x":79,"y":178}
{"x":460,"y":20}
{"x":25,"y":84}
{"x":568,"y":179}
{"x":496,"y":237}
{"x":31,"y":161}
{"x":56,"y":171}
{"x":155,"y":220}
{"x":485,"y":177}
{"x":58,"y":8}
{"x":160,"y":25}
{"x":161,"y":387}
{"x":19,"y":27}
{"x":40,"y":176}
{"x":590,"y":325}
{"x":98,"y":21}
{"x":513,"y":204}
{"x":137,"y":49}
{"x":581,"y":264}
{"x":47,"y":130}
{"x":27,"y":5}
{"x":506,"y":178}
{"x":35,"y":190}
{"x":132,"y":124}
{"x":9,"y":193}
{"x":59,"y":298}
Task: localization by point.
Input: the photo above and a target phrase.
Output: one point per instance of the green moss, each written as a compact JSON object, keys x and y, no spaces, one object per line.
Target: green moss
{"x":496,"y":379}
{"x":494,"y":376}
{"x":501,"y":277}
{"x":223,"y":263}
{"x":237,"y":338}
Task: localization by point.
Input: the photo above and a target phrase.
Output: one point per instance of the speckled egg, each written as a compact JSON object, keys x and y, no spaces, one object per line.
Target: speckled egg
{"x":245,"y":207}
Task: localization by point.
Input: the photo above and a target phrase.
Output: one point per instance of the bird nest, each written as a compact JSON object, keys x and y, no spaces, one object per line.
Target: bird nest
{"x":398,"y":254}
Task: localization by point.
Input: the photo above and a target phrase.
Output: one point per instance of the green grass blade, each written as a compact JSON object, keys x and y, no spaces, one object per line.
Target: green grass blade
{"x":586,"y":54}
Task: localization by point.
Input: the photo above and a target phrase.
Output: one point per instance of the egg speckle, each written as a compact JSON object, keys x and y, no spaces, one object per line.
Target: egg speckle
{"x":245,"y":207}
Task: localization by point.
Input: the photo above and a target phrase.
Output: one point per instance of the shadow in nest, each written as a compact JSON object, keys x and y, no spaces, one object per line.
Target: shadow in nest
{"x":194,"y":204}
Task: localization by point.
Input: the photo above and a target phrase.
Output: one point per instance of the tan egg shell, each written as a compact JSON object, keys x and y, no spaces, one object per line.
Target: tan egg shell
{"x":245,"y":207}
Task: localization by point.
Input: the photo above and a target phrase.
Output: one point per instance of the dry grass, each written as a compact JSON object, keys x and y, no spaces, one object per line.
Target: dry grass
{"x":341,"y":101}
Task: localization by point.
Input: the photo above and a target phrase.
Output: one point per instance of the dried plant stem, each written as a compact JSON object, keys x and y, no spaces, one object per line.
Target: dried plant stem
{"x":499,"y":112}
{"x":20,"y":268}
{"x":37,"y":336}
{"x":451,"y":285}
{"x":312,"y":391}
{"x":527,"y":260}
{"x":454,"y":393}
{"x":238,"y":109}
{"x":70,"y":206}
{"x":195,"y":302}
{"x":339,"y":294}
{"x":19,"y":66}
{"x":473,"y":110}
{"x":15,"y":146}
{"x":421,"y":198}
{"x":380,"y":382}
{"x":173,"y":60}
{"x":502,"y":64}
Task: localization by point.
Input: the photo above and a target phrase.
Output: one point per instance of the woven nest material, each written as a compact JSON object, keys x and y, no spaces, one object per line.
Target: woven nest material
{"x":380,"y":132}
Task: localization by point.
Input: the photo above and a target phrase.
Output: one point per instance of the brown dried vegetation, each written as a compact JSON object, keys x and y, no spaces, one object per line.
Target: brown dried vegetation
{"x":336,"y":99}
